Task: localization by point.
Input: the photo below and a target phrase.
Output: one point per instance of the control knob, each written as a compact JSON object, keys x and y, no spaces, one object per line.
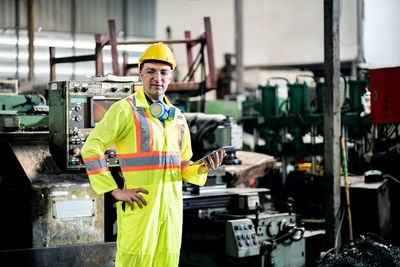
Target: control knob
{"x":75,"y":151}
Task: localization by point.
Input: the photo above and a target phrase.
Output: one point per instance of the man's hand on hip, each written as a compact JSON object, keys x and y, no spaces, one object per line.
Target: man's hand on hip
{"x":130,"y":195}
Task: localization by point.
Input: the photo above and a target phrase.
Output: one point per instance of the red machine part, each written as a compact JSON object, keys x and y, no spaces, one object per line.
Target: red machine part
{"x":385,"y":95}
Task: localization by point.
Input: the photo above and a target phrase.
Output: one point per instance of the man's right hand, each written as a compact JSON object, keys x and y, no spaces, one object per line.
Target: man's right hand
{"x":130,"y":195}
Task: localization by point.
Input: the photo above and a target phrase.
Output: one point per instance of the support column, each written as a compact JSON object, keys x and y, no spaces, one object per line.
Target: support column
{"x":332,"y":121}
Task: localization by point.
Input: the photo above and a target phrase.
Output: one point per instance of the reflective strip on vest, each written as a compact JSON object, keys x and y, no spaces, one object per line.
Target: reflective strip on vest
{"x":96,"y":164}
{"x":146,"y":159}
{"x":144,"y":129}
{"x":151,"y":162}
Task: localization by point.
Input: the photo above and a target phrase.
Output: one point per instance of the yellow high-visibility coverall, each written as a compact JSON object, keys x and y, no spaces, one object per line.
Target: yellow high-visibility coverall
{"x":153,"y":157}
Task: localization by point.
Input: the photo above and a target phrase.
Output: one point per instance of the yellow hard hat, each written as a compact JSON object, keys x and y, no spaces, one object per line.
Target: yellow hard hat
{"x":158,"y":52}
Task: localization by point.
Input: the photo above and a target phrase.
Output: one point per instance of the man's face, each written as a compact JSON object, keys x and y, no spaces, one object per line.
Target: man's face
{"x":155,"y":77}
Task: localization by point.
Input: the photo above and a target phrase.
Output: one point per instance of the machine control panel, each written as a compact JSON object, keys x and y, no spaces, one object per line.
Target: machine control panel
{"x":75,"y":109}
{"x":241,"y":238}
{"x":271,"y":225}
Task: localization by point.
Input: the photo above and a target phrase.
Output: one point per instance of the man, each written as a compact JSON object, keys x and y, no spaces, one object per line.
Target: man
{"x":152,"y":140}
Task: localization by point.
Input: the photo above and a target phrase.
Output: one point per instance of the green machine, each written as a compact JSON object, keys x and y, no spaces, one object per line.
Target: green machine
{"x":26,"y":112}
{"x":281,"y":115}
{"x":290,"y":127}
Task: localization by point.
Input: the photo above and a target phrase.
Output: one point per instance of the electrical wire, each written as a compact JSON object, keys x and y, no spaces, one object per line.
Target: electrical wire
{"x":337,"y":234}
{"x":391,"y":177}
{"x":339,"y":229}
{"x":377,"y":237}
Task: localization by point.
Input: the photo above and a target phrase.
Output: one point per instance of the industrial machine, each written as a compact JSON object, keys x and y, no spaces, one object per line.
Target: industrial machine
{"x":293,"y":127}
{"x":56,"y":207}
{"x":212,"y":131}
{"x":293,"y":130}
{"x":75,"y":108}
{"x":238,"y":227}
{"x":64,"y":208}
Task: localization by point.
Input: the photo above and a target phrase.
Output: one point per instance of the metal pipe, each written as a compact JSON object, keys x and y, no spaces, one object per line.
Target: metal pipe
{"x":212,"y":74}
{"x":73,"y":33}
{"x":125,"y":15}
{"x":98,"y":56}
{"x":17,"y":37}
{"x":313,"y":159}
{"x":52,"y":55}
{"x":183,"y":41}
{"x":360,"y":31}
{"x":113,"y":42}
{"x":31,"y":37}
{"x":284,"y":167}
{"x":189,"y":54}
{"x":239,"y":44}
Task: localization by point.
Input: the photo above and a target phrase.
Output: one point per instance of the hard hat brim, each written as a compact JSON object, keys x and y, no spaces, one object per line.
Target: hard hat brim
{"x":156,"y":61}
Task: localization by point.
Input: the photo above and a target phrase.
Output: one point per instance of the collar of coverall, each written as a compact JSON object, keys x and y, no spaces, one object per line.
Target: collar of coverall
{"x":141,"y":101}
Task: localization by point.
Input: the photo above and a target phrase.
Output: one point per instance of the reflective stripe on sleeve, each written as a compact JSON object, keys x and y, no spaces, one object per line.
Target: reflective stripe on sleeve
{"x":94,"y":158}
{"x":96,"y":164}
{"x":97,"y":171}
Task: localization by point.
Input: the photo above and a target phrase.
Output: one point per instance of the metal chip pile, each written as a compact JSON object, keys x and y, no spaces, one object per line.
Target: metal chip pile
{"x":364,"y":251}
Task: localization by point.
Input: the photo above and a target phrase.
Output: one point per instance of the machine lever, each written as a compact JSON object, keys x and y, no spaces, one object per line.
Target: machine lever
{"x":290,"y":202}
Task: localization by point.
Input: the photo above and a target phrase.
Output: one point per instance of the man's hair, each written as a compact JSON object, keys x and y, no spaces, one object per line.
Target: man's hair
{"x":156,"y":61}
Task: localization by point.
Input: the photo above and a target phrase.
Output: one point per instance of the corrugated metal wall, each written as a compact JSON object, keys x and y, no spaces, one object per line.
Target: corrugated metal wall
{"x":71,"y":33}
{"x":90,"y":16}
